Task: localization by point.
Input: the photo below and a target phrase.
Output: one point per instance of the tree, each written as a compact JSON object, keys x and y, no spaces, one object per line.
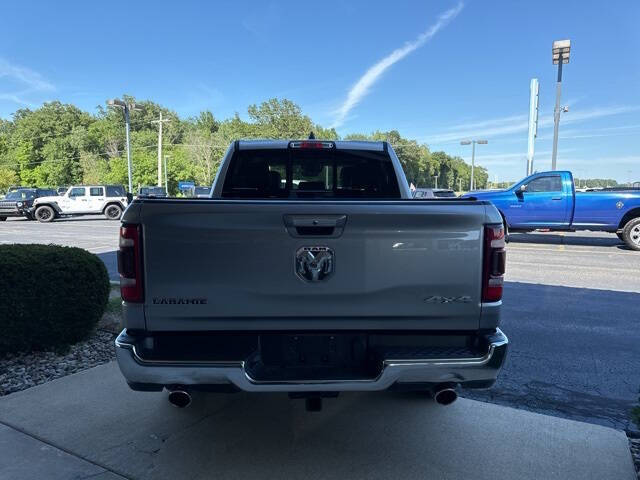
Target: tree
{"x":201,"y":146}
{"x":8,"y":177}
{"x":45,"y":145}
{"x":59,"y":144}
{"x":280,"y":119}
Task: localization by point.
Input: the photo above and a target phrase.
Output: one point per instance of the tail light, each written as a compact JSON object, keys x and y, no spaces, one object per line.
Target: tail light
{"x":494,"y":260}
{"x":310,"y":144}
{"x":130,"y":263}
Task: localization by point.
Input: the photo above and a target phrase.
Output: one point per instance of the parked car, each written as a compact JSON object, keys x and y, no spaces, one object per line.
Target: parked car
{"x":18,"y":202}
{"x":433,"y":193}
{"x":549,"y":200}
{"x":201,"y":192}
{"x":109,"y":200}
{"x":158,"y":192}
{"x":311,"y":286}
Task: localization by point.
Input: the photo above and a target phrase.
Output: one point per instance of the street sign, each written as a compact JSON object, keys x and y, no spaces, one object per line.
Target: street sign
{"x":186,"y":185}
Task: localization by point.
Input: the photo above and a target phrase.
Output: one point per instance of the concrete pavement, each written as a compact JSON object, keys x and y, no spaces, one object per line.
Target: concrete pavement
{"x":93,"y":417}
{"x":26,"y":458}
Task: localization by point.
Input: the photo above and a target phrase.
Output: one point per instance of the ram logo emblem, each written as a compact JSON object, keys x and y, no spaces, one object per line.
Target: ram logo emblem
{"x":314,"y":264}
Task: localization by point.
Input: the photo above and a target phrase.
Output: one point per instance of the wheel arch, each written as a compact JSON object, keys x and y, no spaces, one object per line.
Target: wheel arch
{"x":631,"y":214}
{"x":114,"y":202}
{"x":53,"y":205}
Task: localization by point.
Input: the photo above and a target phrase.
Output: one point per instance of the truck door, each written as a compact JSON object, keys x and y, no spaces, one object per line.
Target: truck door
{"x":544,"y":202}
{"x":76,"y":200}
{"x":96,"y":199}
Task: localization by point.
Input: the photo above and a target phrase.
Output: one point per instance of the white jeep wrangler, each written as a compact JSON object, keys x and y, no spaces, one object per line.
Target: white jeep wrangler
{"x":109,"y":200}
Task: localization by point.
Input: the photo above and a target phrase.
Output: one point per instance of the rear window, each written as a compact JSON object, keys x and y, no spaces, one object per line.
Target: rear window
{"x":445,"y":194}
{"x":115,"y":191}
{"x":310,"y":173}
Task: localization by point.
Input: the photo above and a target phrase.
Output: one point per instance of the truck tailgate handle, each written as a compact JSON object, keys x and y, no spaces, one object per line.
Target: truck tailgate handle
{"x":330,"y":226}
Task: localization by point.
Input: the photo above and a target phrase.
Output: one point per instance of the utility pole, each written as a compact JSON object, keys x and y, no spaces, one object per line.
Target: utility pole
{"x":160,"y":122}
{"x":560,"y":55}
{"x":460,"y":184}
{"x":436,"y":177}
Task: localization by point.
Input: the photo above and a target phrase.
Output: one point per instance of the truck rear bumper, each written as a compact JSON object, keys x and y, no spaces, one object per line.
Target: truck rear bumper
{"x":477,"y":371}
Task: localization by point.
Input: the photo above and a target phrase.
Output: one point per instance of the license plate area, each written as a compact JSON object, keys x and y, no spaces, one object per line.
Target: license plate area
{"x":312,"y":357}
{"x":312,"y":350}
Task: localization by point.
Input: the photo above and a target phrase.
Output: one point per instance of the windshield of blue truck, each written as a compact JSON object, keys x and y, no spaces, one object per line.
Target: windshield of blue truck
{"x":322,"y":173}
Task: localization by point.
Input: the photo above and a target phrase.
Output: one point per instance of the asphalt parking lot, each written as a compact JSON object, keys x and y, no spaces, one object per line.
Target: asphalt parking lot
{"x":92,"y":232}
{"x":572,"y":304}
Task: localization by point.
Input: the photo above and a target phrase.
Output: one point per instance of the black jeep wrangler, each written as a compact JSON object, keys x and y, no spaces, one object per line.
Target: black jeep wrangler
{"x":18,"y":202}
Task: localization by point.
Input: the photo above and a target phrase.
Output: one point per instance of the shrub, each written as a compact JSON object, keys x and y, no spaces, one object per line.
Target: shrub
{"x":50,"y":296}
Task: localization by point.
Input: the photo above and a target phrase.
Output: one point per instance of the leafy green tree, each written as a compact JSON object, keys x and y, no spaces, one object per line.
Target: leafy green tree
{"x":8,"y":178}
{"x":58,"y":144}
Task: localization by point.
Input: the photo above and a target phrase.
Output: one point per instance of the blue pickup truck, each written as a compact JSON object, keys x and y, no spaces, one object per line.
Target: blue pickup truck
{"x":549,"y":200}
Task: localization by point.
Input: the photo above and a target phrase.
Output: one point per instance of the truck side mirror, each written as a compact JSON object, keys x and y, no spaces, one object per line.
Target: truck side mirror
{"x":522,"y":189}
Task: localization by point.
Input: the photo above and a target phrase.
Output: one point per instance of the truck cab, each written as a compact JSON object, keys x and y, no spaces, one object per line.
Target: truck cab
{"x":549,"y":200}
{"x":541,"y":200}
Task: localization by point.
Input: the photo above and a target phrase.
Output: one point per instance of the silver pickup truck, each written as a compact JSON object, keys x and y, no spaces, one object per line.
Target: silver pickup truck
{"x":311,"y":270}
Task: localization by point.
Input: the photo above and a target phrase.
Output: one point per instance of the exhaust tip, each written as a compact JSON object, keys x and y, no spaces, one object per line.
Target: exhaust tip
{"x":446,"y":396}
{"x":179,"y":398}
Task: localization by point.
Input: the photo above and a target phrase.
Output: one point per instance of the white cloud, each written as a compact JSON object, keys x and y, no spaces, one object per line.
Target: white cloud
{"x":519,"y":124}
{"x":362,"y":87}
{"x":16,"y":98}
{"x":29,"y":80}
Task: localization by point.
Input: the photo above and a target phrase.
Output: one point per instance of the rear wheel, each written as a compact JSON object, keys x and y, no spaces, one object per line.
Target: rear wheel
{"x":113,"y":212}
{"x":631,"y":234}
{"x":45,"y":214}
{"x":2,"y":219}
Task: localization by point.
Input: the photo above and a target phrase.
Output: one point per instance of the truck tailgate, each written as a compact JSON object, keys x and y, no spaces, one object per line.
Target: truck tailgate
{"x":231,"y":265}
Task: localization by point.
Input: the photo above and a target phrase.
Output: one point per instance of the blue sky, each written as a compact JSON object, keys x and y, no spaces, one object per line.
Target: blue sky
{"x":360,"y":66}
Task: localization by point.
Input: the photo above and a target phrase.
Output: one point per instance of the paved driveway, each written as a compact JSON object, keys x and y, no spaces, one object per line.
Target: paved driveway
{"x":94,"y":417}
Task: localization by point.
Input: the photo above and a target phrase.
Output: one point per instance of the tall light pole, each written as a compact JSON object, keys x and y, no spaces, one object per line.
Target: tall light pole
{"x":560,"y":55}
{"x":126,"y":107}
{"x":533,"y":123}
{"x":436,"y":177}
{"x":473,"y":156}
